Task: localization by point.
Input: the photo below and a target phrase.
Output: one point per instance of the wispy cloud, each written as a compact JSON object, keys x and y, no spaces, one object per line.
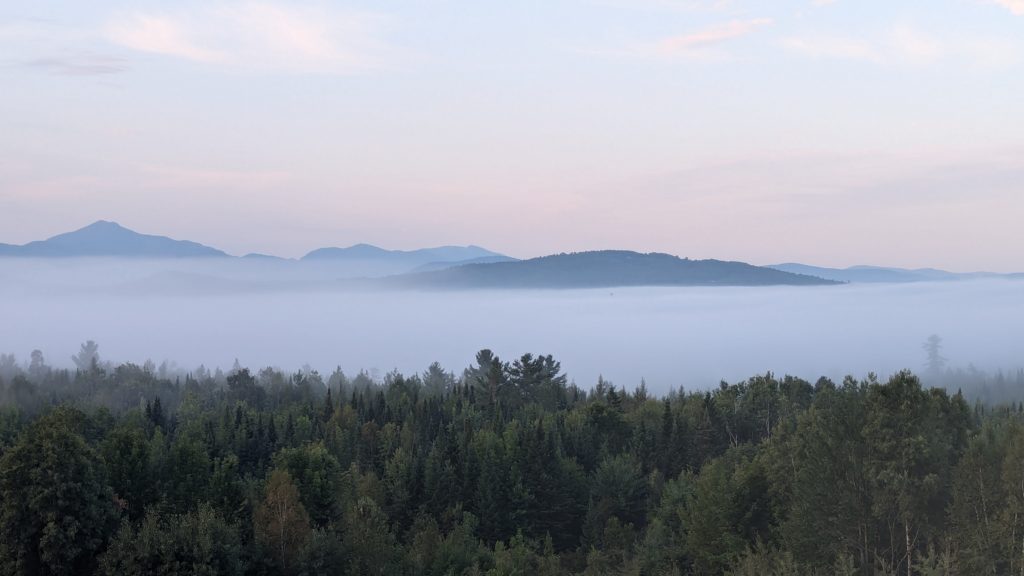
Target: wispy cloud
{"x":275,"y":37}
{"x":904,"y":45}
{"x":697,"y":44}
{"x":675,"y":45}
{"x":79,"y":65}
{"x":671,"y":5}
{"x":160,"y":34}
{"x":189,"y":178}
{"x":913,"y":44}
{"x":832,"y":47}
{"x":1014,"y":6}
{"x":53,"y":47}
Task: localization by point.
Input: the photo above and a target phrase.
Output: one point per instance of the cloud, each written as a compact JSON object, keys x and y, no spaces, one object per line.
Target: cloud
{"x":832,"y":47}
{"x":265,"y":37}
{"x":55,"y":48}
{"x":1014,"y":6}
{"x":79,"y":66}
{"x":915,"y":45}
{"x":671,"y":5}
{"x":904,"y":45}
{"x":160,"y":34}
{"x":187,"y":178}
{"x":709,"y":36}
{"x":696,"y":44}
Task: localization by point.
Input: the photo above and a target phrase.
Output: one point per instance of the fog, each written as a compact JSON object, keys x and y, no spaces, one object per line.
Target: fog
{"x":211,"y":313}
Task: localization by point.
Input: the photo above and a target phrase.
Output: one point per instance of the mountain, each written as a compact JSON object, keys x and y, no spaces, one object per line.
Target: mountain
{"x":104,"y":238}
{"x":413,"y":258}
{"x":603,"y":269}
{"x":110,"y":239}
{"x":431,"y":266}
{"x":878,"y":274}
{"x":265,"y":257}
{"x":425,"y":255}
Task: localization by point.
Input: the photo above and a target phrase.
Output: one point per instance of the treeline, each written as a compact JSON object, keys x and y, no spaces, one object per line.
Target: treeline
{"x":504,"y":469}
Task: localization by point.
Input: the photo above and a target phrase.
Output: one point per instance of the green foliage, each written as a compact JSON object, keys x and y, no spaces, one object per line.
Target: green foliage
{"x":728,"y":511}
{"x":56,"y":507}
{"x":323,"y":554}
{"x":318,"y":477}
{"x":199,"y":542}
{"x":370,"y":546}
{"x":507,"y":469}
{"x":281,"y":523}
{"x":126,"y":453}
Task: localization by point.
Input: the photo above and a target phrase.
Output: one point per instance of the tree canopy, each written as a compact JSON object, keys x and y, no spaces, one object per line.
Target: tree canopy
{"x":507,"y":468}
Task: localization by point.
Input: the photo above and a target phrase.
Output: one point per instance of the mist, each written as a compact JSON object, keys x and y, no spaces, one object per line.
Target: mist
{"x":212,"y":312}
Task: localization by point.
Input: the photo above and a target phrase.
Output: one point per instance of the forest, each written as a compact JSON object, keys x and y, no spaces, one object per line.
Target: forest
{"x":505,"y":468}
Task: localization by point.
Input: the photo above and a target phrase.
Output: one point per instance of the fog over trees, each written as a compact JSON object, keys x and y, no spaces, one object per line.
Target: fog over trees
{"x":201,"y":312}
{"x":504,"y":467}
{"x":181,"y":419}
{"x":584,"y":288}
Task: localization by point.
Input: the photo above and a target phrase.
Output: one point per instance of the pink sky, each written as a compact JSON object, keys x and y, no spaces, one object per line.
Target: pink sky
{"x":831,"y":133}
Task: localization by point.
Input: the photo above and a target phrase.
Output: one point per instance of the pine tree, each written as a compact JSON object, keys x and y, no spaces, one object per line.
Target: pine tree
{"x":272,"y":433}
{"x":328,"y":407}
{"x":157,"y":415}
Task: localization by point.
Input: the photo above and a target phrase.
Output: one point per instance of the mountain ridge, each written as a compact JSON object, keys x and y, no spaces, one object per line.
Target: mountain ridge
{"x":866,"y":274}
{"x":604,"y":269}
{"x":448,"y":253}
{"x":106,"y":238}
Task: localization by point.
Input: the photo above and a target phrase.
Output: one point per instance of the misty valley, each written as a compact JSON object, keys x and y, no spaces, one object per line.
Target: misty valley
{"x":674,"y":338}
{"x":583,"y":288}
{"x":166,"y":408}
{"x":244,"y":416}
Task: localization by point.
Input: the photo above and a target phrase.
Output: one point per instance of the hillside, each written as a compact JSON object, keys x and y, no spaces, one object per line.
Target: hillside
{"x":878,"y":274}
{"x":433,"y":266}
{"x":605,"y":269}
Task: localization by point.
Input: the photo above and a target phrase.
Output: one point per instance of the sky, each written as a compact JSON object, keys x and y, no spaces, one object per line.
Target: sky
{"x":833,"y":133}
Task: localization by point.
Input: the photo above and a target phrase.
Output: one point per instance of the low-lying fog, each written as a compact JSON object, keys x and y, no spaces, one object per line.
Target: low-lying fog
{"x":672,"y":337}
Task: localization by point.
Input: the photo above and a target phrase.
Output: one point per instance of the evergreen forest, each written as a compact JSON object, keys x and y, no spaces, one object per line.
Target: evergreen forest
{"x":507,"y":468}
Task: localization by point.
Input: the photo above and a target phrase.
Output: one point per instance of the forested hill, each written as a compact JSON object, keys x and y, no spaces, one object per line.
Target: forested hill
{"x":605,"y":269}
{"x":504,"y":469}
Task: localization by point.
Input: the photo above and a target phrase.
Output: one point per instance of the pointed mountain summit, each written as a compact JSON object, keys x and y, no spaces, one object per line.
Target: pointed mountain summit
{"x":103,"y":238}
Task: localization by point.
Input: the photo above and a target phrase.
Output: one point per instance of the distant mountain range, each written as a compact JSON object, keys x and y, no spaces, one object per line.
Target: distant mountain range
{"x":433,"y":266}
{"x":423,"y":256}
{"x":877,"y":274}
{"x":455,"y":267}
{"x":110,"y":239}
{"x":605,"y":269}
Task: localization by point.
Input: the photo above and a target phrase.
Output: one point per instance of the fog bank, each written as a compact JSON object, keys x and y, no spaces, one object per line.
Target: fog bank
{"x":672,"y":337}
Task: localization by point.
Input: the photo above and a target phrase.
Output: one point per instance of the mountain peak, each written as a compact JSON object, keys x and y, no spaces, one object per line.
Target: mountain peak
{"x":100,"y":226}
{"x":104,"y":224}
{"x":105,"y":238}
